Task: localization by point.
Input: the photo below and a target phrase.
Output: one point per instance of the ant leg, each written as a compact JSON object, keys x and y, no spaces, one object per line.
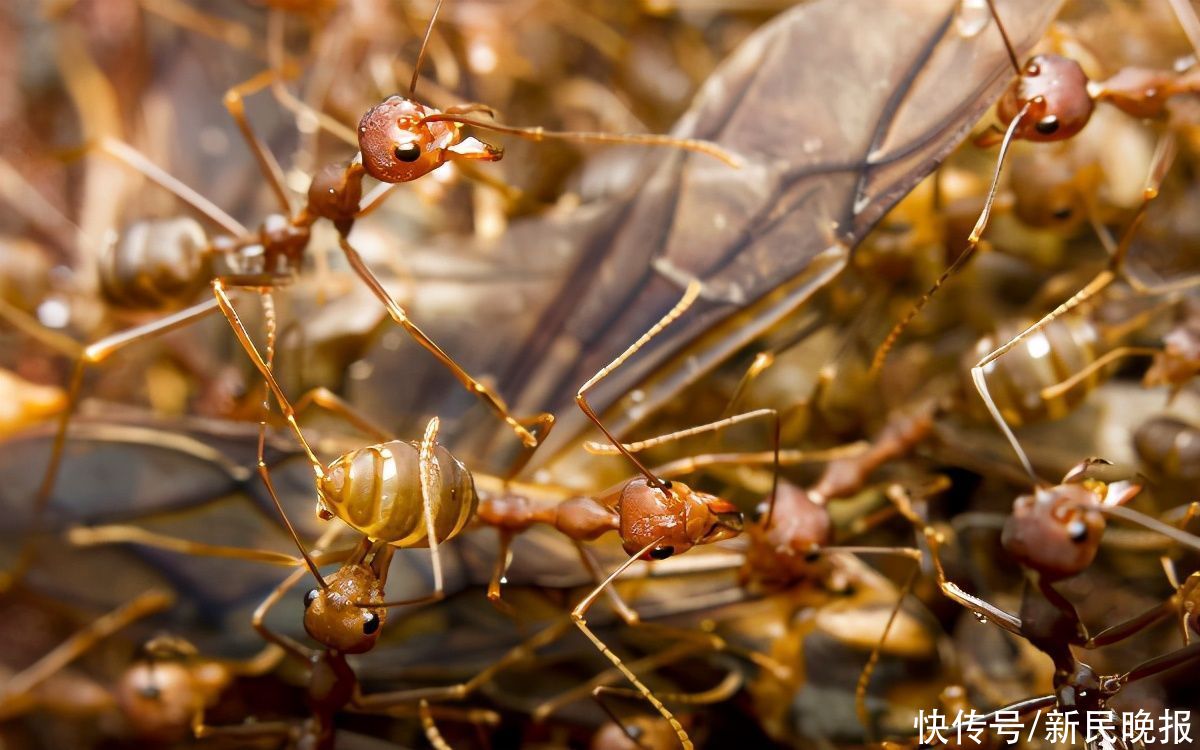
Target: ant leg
{"x":18,"y":687}
{"x":868,"y":670}
{"x":521,"y":652}
{"x":604,"y":679}
{"x":34,"y":329}
{"x":1058,"y":389}
{"x":234,"y":101}
{"x":620,"y":606}
{"x":981,"y":223}
{"x":137,"y":161}
{"x":431,"y":731}
{"x":1134,"y":625}
{"x":541,"y":423}
{"x":606,"y":449}
{"x":93,"y":353}
{"x":263,"y":470}
{"x":243,"y":337}
{"x":283,"y":69}
{"x":790,"y":457}
{"x":899,"y":497}
{"x":728,"y":687}
{"x":981,"y":608}
{"x":329,"y":401}
{"x":503,"y":559}
{"x":579,"y":617}
{"x":91,"y":536}
{"x":258,"y":620}
{"x":1152,"y":667}
{"x":689,"y":297}
{"x":185,"y":16}
{"x":708,"y":148}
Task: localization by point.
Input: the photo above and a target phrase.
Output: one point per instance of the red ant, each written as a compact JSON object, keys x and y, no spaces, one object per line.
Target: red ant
{"x":1054,"y":534}
{"x":1052,"y":100}
{"x":399,"y":140}
{"x":347,"y":609}
{"x":656,"y":519}
{"x":159,"y":698}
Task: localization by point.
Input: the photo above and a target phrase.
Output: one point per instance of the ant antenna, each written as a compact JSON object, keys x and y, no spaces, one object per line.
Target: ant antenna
{"x":412,"y":87}
{"x":1012,"y":55}
{"x":885,"y":348}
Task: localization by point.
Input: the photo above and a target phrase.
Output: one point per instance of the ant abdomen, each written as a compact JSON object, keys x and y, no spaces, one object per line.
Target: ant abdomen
{"x":1170,"y":446}
{"x":1055,"y":89}
{"x":377,"y":490}
{"x":1060,"y":349}
{"x":156,"y":264}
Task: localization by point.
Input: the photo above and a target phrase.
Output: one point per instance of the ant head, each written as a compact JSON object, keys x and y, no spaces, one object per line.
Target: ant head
{"x":399,"y":144}
{"x":788,"y":549}
{"x":1055,"y":531}
{"x":158,"y":696}
{"x":675,"y":514}
{"x":798,"y":525}
{"x":333,"y":617}
{"x":1056,"y":90}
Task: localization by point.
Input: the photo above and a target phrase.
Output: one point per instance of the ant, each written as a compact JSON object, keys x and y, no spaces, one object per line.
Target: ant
{"x":792,"y":542}
{"x":1054,"y":533}
{"x":158,"y":698}
{"x":399,"y":140}
{"x":1052,"y":100}
{"x":347,"y":609}
{"x":656,"y":519}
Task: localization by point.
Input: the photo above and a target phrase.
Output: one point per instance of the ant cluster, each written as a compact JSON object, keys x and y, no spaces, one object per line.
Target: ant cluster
{"x":840,"y":526}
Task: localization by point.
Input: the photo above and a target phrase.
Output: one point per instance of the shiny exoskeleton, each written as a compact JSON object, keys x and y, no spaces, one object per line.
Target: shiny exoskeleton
{"x":377,"y":490}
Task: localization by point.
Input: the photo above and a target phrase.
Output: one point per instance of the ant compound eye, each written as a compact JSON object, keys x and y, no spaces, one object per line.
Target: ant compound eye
{"x":1077,"y":530}
{"x":662,"y":553}
{"x":1048,"y":125}
{"x":370,"y":623}
{"x":310,"y":597}
{"x":409,"y":152}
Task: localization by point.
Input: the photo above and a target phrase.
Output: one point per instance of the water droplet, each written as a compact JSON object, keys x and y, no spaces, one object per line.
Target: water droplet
{"x":973,"y":17}
{"x":981,"y":617}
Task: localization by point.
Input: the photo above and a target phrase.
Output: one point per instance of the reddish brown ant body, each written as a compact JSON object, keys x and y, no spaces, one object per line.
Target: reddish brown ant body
{"x":1054,"y":533}
{"x":1052,"y":100}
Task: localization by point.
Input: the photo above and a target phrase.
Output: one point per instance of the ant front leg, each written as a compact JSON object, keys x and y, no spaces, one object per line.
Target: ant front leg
{"x":540,"y":424}
{"x":579,"y":616}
